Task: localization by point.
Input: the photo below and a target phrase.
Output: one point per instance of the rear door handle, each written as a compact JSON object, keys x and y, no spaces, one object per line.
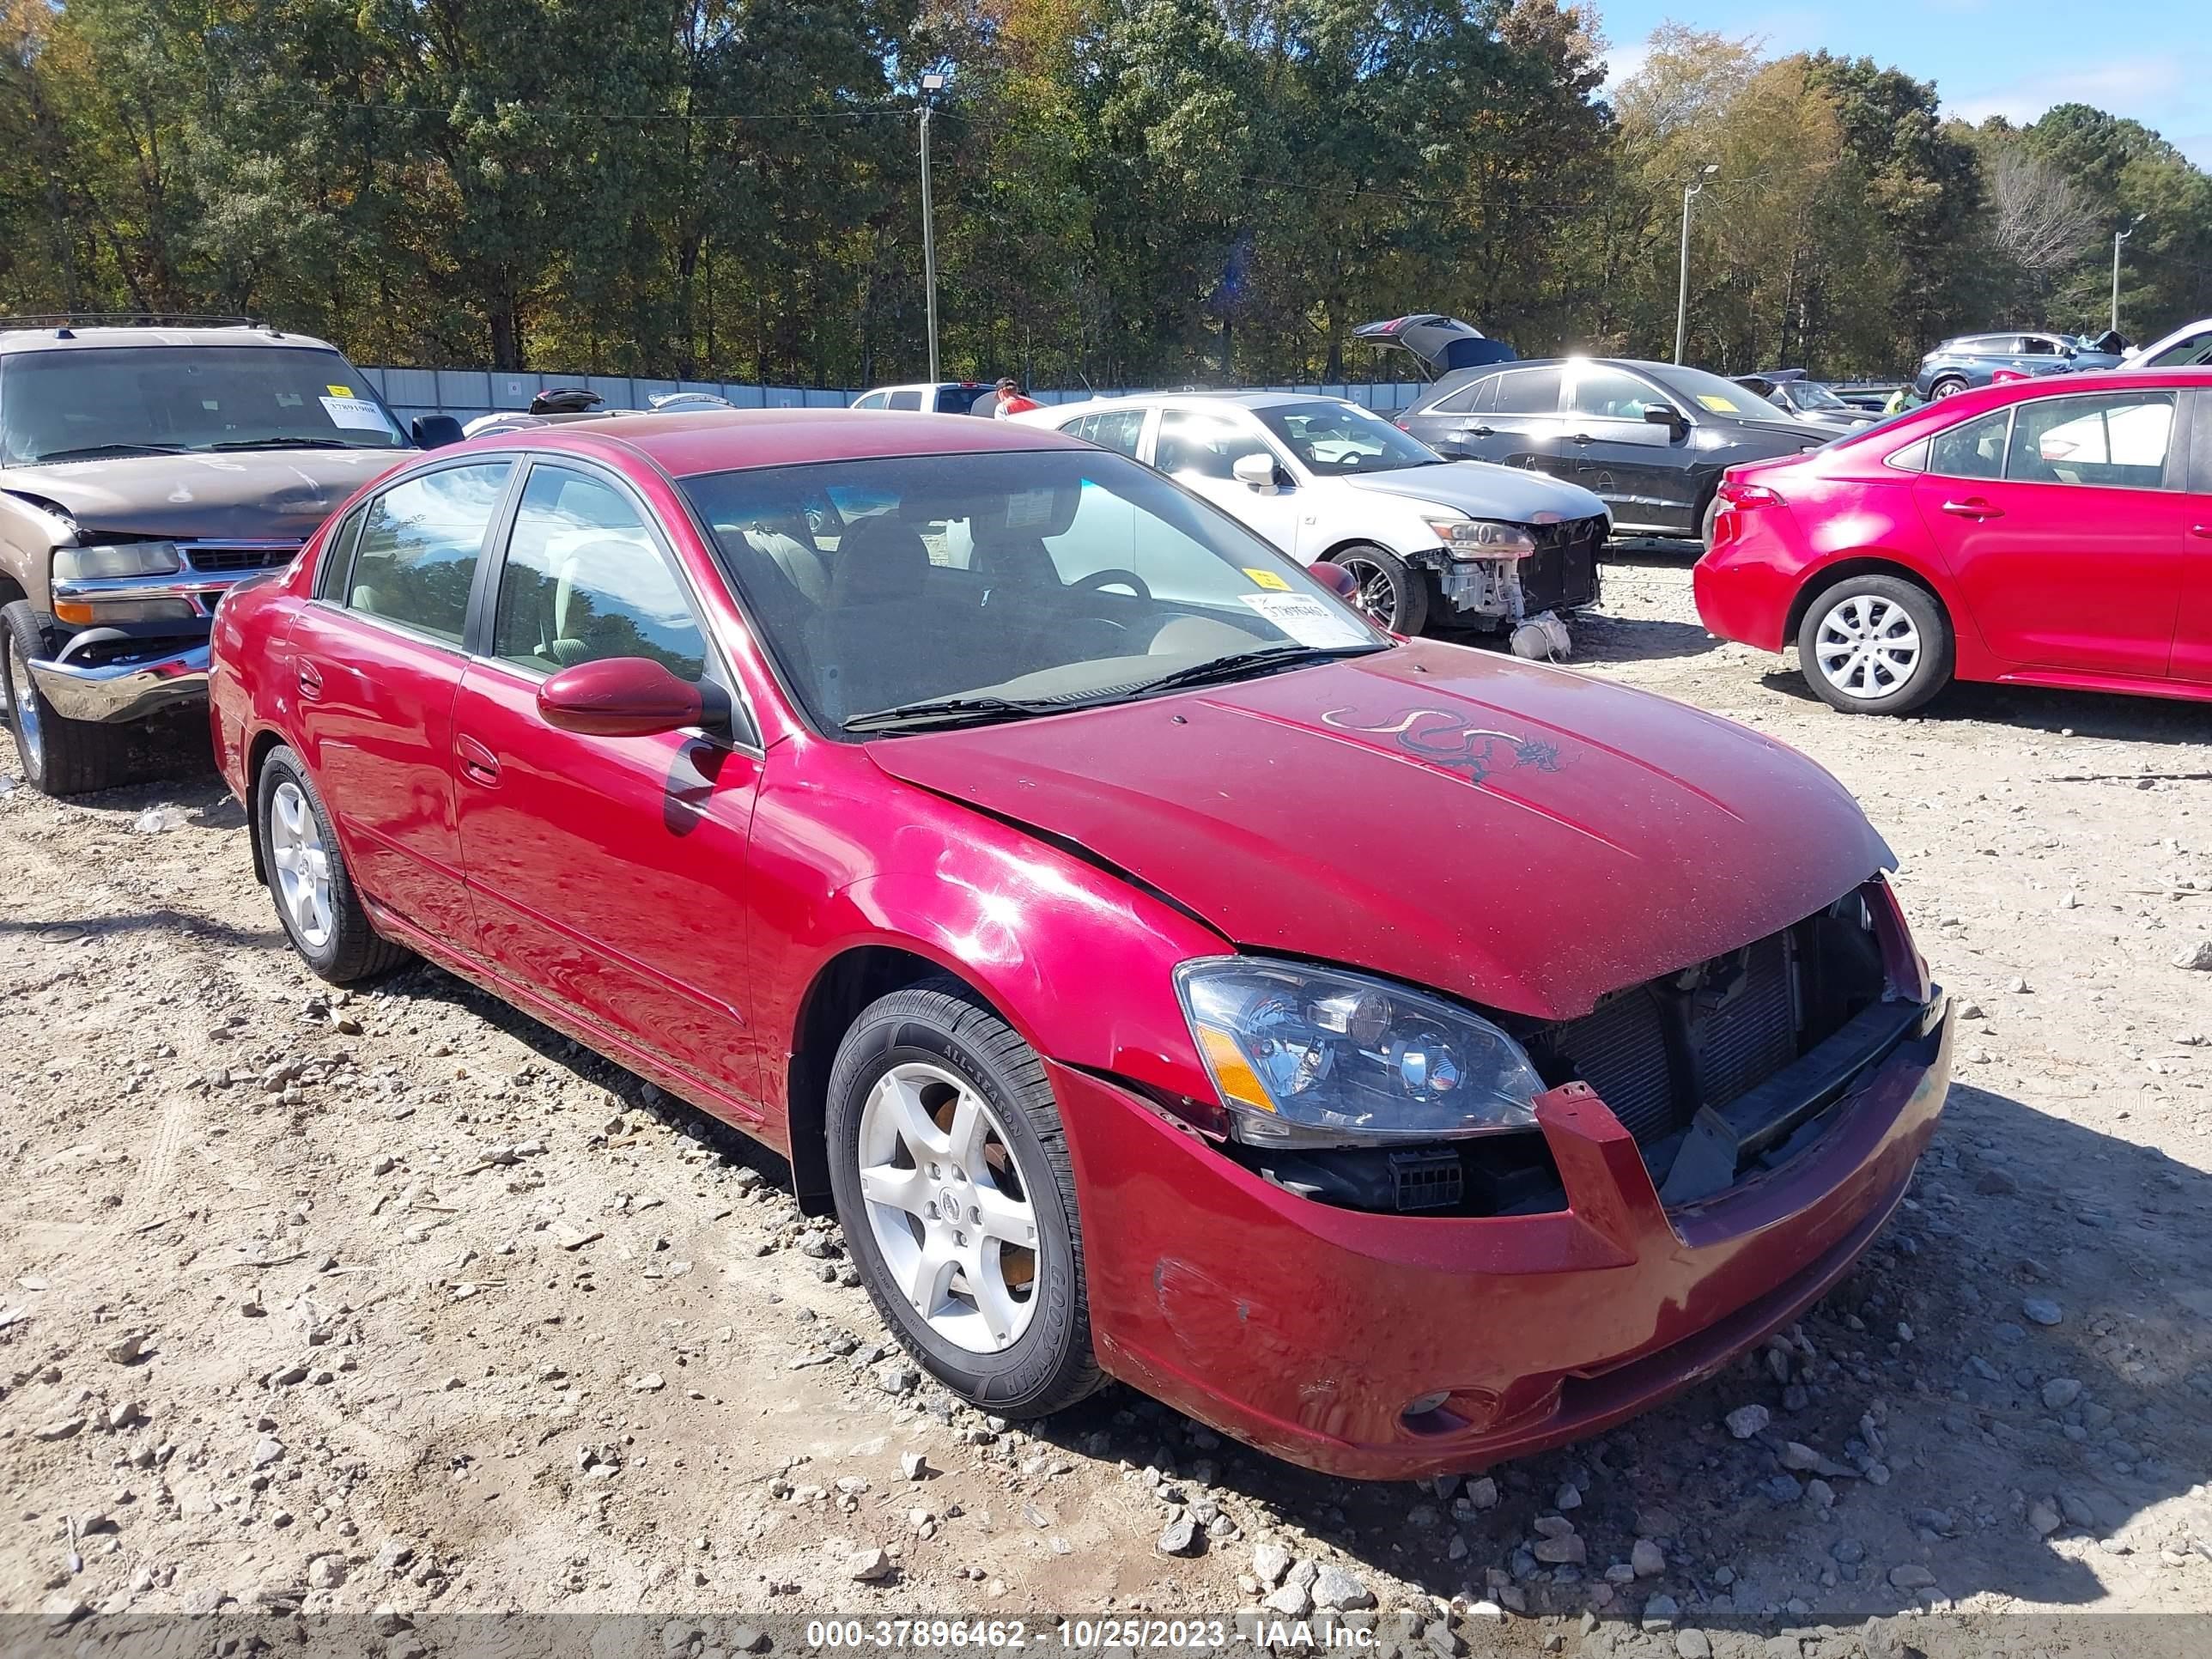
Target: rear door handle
{"x":476,"y":761}
{"x":1580,"y":437}
{"x":311,"y":680}
{"x":1479,"y":432}
{"x":2203,"y":530}
{"x":1973,"y":507}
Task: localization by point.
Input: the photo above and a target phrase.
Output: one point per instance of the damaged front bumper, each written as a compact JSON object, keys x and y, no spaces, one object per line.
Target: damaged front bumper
{"x":117,"y":667}
{"x":134,"y":685}
{"x":1393,"y":1346}
{"x":1560,"y":574}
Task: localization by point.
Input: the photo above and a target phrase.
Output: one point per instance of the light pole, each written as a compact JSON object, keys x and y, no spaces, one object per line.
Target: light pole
{"x":2118,"y":237}
{"x":931,"y":85}
{"x":1682,"y":292}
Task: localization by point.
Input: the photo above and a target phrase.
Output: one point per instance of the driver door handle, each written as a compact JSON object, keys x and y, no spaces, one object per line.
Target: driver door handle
{"x":1973,"y":507}
{"x":480,"y":765}
{"x":1580,"y":437}
{"x":2203,"y":530}
{"x":1478,"y":432}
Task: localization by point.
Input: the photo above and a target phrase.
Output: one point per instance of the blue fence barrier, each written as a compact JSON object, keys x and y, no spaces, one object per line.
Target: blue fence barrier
{"x":465,"y":393}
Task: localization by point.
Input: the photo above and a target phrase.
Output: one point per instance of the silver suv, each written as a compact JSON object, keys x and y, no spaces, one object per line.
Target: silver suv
{"x":143,"y":470}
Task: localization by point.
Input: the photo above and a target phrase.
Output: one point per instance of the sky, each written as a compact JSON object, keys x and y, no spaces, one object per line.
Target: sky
{"x":2150,"y":59}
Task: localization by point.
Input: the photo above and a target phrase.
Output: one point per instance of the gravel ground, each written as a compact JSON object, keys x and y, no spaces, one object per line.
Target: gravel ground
{"x":398,"y":1300}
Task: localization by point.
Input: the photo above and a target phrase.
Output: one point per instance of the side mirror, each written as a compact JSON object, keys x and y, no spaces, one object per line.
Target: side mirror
{"x":1256,"y":471}
{"x":1667,"y":415}
{"x":620,"y":697}
{"x":436,"y":431}
{"x":1335,"y":578}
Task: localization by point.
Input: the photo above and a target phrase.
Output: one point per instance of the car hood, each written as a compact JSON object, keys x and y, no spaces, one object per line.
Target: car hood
{"x":1524,"y":836}
{"x":1482,"y":490}
{"x":249,"y":494}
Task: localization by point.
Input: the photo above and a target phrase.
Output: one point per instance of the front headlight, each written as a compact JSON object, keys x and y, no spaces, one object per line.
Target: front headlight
{"x":116,"y":559}
{"x":1483,"y":538}
{"x":1316,"y":1057}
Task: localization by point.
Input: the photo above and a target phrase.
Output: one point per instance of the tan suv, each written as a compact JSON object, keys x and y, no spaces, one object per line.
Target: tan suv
{"x":143,"y":470}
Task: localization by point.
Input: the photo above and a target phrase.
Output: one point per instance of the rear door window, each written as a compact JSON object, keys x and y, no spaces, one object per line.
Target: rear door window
{"x":1118,"y":430}
{"x":1529,"y":391}
{"x":910,"y":398}
{"x":1972,"y":449}
{"x":419,"y":547}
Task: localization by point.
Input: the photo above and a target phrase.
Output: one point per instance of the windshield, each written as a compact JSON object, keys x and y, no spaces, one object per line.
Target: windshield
{"x":152,"y":399}
{"x":1007,"y":584}
{"x":1333,"y":438}
{"x":1710,"y":393}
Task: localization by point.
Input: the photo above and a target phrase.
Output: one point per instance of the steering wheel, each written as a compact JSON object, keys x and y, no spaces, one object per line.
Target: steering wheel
{"x":1104,"y":578}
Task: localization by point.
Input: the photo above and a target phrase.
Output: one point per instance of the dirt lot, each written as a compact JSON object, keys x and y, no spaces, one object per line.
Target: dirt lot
{"x":398,"y":1300}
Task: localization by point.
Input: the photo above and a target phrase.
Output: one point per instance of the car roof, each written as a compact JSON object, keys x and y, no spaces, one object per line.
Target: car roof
{"x":1242,"y":399}
{"x":697,"y":442}
{"x":77,"y":336}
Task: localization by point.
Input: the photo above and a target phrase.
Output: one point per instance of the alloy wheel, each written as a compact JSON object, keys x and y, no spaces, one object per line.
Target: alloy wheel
{"x":1867,"y":646}
{"x":948,"y":1207}
{"x":1377,"y":598}
{"x":303,"y":863}
{"x":23,"y":704}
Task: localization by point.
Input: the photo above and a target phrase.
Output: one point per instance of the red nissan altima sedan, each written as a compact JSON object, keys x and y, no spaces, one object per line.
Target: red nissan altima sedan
{"x":1395,"y":1056}
{"x":2052,"y":532}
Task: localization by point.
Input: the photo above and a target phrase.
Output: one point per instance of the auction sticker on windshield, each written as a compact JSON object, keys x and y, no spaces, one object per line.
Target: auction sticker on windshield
{"x":357,"y":412}
{"x":1306,"y":619}
{"x":1267,"y":578}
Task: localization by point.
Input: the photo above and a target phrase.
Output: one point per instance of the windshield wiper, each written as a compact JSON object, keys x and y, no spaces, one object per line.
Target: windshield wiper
{"x":1239,"y":663}
{"x":951,"y":711}
{"x":89,"y":452}
{"x":285,"y":443}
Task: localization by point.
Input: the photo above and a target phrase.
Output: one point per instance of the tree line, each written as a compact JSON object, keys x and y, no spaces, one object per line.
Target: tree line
{"x":1126,"y":191}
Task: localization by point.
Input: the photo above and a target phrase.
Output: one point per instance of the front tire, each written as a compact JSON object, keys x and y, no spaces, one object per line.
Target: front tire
{"x":951,"y":1176}
{"x":308,"y":878}
{"x":1391,"y":594}
{"x":1875,"y":645}
{"x":58,"y":757}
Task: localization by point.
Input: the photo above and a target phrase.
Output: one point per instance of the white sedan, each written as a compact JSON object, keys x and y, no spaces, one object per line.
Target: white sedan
{"x":1462,"y":544}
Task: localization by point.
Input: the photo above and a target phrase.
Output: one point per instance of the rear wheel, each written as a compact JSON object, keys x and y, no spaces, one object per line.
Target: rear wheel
{"x":951,"y":1177}
{"x":1391,"y":594}
{"x":1875,"y":645}
{"x":308,"y":878}
{"x":1946,"y":387}
{"x":59,"y":756}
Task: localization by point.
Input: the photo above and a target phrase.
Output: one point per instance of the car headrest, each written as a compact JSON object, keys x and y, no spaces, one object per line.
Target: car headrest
{"x":879,"y":558}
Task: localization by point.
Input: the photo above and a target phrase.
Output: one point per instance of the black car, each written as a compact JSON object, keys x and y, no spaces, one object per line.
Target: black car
{"x":1650,"y":439}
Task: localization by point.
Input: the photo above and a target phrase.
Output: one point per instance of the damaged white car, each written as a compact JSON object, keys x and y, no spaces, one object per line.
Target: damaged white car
{"x":1432,"y":544}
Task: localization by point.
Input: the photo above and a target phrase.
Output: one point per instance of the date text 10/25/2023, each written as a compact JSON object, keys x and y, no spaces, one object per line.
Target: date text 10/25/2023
{"x":1098,"y":1635}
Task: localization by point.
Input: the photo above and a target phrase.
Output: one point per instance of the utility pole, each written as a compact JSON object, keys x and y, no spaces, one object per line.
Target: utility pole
{"x":1682,"y":292}
{"x":931,"y":84}
{"x":2118,"y":237}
